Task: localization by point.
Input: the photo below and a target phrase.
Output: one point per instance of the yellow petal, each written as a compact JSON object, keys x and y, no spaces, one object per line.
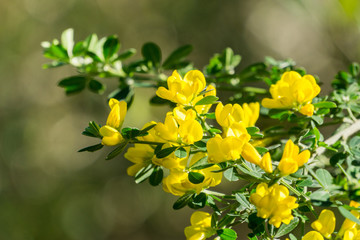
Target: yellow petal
{"x":313,"y":235}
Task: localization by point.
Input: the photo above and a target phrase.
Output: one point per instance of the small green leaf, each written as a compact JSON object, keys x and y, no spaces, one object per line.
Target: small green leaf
{"x":177,"y":56}
{"x":286,"y":228}
{"x":156,"y":176}
{"x":231,"y":174}
{"x":198,"y":201}
{"x":346,"y":213}
{"x":324,"y":177}
{"x":73,"y":84}
{"x":145,"y":130}
{"x":151,"y":52}
{"x":207,"y":100}
{"x":242,"y":201}
{"x":144,"y":173}
{"x":92,"y":148}
{"x":195,"y":177}
{"x":92,"y":130}
{"x":325,"y":104}
{"x":183,"y":200}
{"x":227,"y":234}
{"x":354,"y":69}
{"x":292,"y":237}
{"x":180,"y":153}
{"x":165,"y":152}
{"x":96,"y":86}
{"x":110,"y":47}
{"x":126,"y":93}
{"x":117,"y":150}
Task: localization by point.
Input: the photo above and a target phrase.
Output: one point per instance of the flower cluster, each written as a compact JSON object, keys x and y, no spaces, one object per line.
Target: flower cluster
{"x":200,"y":226}
{"x":293,"y":91}
{"x":325,"y":226}
{"x":274,"y":203}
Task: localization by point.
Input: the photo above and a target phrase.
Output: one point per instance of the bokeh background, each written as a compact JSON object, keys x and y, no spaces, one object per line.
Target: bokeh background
{"x":47,"y":189}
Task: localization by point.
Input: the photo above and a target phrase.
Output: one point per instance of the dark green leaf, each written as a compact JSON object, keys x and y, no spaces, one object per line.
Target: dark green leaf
{"x":195,"y":177}
{"x":156,"y":176}
{"x":207,"y":100}
{"x":92,"y":130}
{"x":151,"y":52}
{"x":227,"y":234}
{"x":96,"y":86}
{"x":145,"y":130}
{"x":144,"y":173}
{"x":198,"y":201}
{"x":92,"y":148}
{"x":325,"y":104}
{"x":73,"y":84}
{"x":180,"y":153}
{"x":110,"y":47}
{"x":117,"y":150}
{"x":252,"y":236}
{"x":156,"y":100}
{"x":183,"y":200}
{"x":177,"y":56}
{"x":338,"y":158}
{"x":126,"y":94}
{"x":165,"y":152}
{"x":286,"y":228}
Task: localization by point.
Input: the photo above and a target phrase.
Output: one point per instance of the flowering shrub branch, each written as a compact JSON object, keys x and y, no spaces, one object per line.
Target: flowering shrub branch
{"x":286,"y":170}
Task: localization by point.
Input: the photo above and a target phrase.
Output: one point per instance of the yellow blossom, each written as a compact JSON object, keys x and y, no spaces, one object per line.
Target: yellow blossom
{"x":188,"y":132}
{"x":200,"y":226}
{"x":111,"y":131}
{"x":274,"y":203}
{"x":181,"y":115}
{"x":293,"y":91}
{"x":313,"y":235}
{"x":325,"y":223}
{"x":266,"y":164}
{"x":228,"y":114}
{"x":291,"y":159}
{"x":177,"y":182}
{"x":183,"y":90}
{"x":141,"y":155}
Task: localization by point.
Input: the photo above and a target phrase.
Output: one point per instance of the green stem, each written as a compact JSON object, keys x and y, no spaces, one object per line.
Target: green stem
{"x":213,"y":193}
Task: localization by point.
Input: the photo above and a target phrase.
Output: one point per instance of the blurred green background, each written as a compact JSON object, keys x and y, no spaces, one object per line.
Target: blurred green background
{"x":47,"y":189}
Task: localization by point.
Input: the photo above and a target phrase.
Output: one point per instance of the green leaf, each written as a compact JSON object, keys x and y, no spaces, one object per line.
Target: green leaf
{"x":126,"y":54}
{"x":126,"y":93}
{"x":338,"y":158}
{"x":318,"y":119}
{"x":354,"y":69}
{"x":96,"y":86}
{"x":151,"y":52}
{"x":244,"y":203}
{"x":143,"y":132}
{"x":195,"y":177}
{"x":73,"y":84}
{"x":198,"y":201}
{"x":325,"y":104}
{"x":231,"y":174}
{"x":227,"y":234}
{"x":92,"y":148}
{"x":111,"y":47}
{"x":252,"y":236}
{"x":183,"y":200}
{"x":177,"y":56}
{"x":156,"y":176}
{"x":286,"y":228}
{"x":92,"y":130}
{"x":165,"y":152}
{"x":180,"y":153}
{"x":346,"y":213}
{"x":117,"y":150}
{"x":292,"y":237}
{"x":144,"y":173}
{"x":325,"y":178}
{"x":207,"y":100}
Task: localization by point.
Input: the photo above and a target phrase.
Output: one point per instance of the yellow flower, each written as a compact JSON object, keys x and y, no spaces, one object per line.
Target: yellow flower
{"x":111,"y":131}
{"x":141,"y":155}
{"x":266,"y":164}
{"x":348,"y":224}
{"x":200,"y":226}
{"x":291,"y":159}
{"x":177,"y":182}
{"x":293,"y":91}
{"x":181,"y":115}
{"x":274,"y":203}
{"x":313,"y":235}
{"x":183,"y":91}
{"x":351,"y":234}
{"x":188,"y":132}
{"x":325,"y":223}
{"x":228,"y":114}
